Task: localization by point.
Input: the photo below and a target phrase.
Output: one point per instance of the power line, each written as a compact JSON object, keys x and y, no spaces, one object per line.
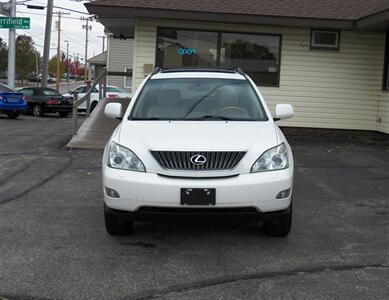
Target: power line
{"x":73,"y":10}
{"x":43,"y":15}
{"x":64,"y":8}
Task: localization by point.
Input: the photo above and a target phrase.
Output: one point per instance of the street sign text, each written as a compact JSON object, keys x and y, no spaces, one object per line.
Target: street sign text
{"x":14,"y":23}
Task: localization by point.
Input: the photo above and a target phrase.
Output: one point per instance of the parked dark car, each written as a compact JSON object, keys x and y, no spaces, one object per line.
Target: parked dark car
{"x":11,"y":103}
{"x":32,"y":78}
{"x":38,"y":78}
{"x":45,"y":100}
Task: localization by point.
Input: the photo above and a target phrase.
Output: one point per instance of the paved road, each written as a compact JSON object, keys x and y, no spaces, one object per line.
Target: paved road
{"x":54,"y":245}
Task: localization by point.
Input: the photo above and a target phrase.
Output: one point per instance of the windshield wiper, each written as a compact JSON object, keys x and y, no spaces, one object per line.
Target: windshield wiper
{"x":209,"y":94}
{"x":209,"y":117}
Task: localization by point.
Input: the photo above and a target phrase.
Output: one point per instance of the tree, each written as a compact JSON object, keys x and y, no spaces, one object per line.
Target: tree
{"x":75,"y":67}
{"x":53,"y":66}
{"x":3,"y":56}
{"x":25,"y":56}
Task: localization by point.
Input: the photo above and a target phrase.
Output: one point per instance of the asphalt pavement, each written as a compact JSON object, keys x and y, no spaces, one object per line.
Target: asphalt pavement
{"x":54,"y":244}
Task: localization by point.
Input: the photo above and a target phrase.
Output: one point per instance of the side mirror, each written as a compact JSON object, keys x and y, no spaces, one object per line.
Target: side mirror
{"x":113,"y":110}
{"x":284,"y":111}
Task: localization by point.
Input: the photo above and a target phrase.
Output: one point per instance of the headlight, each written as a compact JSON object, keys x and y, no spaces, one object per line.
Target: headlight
{"x":124,"y":159}
{"x":273,"y":159}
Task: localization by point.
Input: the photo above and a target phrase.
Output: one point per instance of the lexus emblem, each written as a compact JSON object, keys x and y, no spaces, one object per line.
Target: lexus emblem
{"x":198,"y":159}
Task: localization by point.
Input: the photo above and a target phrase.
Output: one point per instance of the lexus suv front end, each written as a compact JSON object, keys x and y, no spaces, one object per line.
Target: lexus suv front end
{"x":198,"y":141}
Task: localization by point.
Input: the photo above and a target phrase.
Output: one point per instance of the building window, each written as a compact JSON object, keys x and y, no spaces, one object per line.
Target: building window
{"x":385,"y":81}
{"x":128,"y":79}
{"x":185,"y":48}
{"x":325,"y":40}
{"x":257,"y":54}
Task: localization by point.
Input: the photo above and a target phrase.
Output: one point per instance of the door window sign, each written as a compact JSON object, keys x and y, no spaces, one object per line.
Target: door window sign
{"x":186,"y":51}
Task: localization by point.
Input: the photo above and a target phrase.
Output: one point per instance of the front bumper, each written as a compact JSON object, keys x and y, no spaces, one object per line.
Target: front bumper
{"x":139,"y":190}
{"x":58,"y":108}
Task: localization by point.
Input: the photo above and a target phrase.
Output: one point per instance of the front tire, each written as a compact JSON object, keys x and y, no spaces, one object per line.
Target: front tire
{"x":37,"y":111}
{"x":117,"y":225}
{"x":279,"y":226}
{"x":63,"y":114}
{"x":93,"y":106}
{"x":13,"y":115}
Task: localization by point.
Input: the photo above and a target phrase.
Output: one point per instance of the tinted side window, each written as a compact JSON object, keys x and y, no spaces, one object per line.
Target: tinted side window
{"x":50,"y":93}
{"x":80,"y":89}
{"x":27,"y":92}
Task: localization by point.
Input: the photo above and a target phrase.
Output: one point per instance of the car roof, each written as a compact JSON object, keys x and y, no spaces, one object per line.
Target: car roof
{"x":199,"y":73}
{"x":38,"y":88}
{"x":84,"y":85}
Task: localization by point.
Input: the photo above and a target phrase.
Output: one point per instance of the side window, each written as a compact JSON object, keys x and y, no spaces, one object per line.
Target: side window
{"x":80,"y":89}
{"x":27,"y":92}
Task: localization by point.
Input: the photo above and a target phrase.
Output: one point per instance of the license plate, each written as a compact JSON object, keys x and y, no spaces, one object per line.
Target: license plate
{"x":12,"y":100}
{"x":190,"y":196}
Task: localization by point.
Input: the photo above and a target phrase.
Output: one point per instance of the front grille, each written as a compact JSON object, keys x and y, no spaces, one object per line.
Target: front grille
{"x":183,"y":160}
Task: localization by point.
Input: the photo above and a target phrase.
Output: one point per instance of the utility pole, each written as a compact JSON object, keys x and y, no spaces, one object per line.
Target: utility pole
{"x":103,"y":37}
{"x":67,"y":61}
{"x":37,"y":68}
{"x":58,"y":77}
{"x":74,"y":66}
{"x":46,"y":46}
{"x":58,"y":73}
{"x":87,"y":27}
{"x":11,"y":48}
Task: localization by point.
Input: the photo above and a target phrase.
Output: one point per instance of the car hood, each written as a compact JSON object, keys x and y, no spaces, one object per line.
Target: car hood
{"x":197,"y":135}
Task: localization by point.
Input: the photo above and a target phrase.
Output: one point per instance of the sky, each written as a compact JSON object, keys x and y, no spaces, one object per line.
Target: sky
{"x":71,"y":28}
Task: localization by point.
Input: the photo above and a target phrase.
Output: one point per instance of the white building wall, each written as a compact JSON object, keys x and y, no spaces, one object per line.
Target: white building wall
{"x":383,"y":113}
{"x":120,"y":57}
{"x":327,"y":89}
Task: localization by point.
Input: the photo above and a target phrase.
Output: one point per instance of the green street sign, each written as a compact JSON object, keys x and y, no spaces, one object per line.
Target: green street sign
{"x":14,"y":23}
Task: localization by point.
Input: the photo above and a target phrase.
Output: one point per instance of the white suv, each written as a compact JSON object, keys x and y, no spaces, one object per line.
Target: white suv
{"x":193,"y":141}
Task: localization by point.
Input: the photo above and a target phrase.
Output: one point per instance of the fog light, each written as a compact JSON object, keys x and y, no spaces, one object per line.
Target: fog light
{"x":283,"y":194}
{"x":112,"y":193}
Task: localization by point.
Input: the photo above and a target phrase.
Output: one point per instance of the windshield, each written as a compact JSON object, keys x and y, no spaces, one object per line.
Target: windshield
{"x":111,"y":89}
{"x":198,"y":99}
{"x":4,"y":88}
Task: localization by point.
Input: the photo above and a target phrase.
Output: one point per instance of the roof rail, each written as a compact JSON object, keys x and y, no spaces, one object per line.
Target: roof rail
{"x":199,"y":69}
{"x":173,"y":70}
{"x":239,"y":71}
{"x":156,"y":71}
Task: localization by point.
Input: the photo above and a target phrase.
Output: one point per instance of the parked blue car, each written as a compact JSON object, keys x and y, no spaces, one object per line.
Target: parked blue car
{"x":11,"y":103}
